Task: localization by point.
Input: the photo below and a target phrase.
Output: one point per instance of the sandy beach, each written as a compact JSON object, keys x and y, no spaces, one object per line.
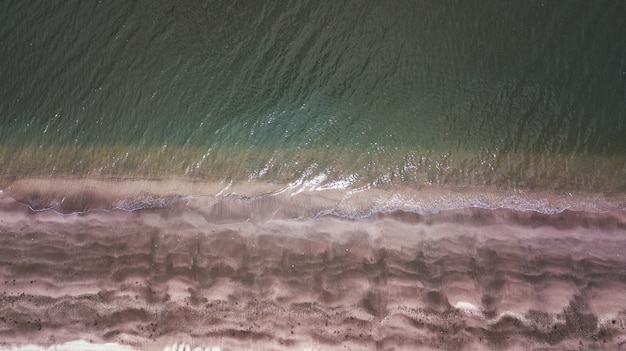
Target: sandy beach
{"x":246,"y":272}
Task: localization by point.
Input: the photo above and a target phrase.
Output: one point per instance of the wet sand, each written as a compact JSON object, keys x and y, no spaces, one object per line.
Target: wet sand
{"x":240,"y":274}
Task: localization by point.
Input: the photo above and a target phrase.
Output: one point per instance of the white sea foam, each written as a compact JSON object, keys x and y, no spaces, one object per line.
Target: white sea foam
{"x":81,"y":345}
{"x":76,"y":345}
{"x":187,"y":347}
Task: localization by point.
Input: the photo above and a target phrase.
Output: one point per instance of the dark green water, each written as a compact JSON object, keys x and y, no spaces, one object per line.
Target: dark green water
{"x":509,"y":94}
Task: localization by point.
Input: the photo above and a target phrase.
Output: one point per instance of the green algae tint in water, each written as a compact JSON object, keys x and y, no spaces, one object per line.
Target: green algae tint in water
{"x":507,"y":94}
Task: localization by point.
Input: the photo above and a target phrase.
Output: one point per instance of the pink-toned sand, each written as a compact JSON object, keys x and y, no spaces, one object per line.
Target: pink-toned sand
{"x":209,"y":265}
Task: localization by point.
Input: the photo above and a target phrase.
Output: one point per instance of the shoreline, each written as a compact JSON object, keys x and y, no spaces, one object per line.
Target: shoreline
{"x":300,"y":199}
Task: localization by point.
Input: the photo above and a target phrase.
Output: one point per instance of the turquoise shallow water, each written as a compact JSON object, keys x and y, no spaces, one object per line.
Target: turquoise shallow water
{"x":504,"y":94}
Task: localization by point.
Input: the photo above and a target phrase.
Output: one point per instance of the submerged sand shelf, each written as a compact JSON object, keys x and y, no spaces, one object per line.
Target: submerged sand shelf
{"x":463,"y":279}
{"x":382,"y":166}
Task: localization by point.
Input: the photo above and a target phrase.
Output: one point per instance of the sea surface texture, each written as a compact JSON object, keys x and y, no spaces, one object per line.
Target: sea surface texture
{"x":312,"y":175}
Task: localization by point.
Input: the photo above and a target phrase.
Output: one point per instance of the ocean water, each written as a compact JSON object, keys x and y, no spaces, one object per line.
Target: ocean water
{"x":509,"y":95}
{"x":234,"y":170}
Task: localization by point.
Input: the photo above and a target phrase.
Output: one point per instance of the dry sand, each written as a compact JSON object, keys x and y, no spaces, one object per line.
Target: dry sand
{"x":246,"y":272}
